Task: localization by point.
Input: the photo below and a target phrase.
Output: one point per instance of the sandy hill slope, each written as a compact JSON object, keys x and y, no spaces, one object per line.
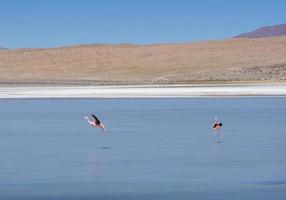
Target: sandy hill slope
{"x":267,"y":31}
{"x":211,"y":61}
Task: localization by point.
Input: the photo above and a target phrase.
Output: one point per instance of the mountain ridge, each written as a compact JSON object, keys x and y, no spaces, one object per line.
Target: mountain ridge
{"x":266,"y":31}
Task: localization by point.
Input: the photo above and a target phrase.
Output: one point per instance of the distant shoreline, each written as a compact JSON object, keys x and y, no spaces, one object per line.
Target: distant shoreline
{"x":94,"y":83}
{"x":143,"y":91}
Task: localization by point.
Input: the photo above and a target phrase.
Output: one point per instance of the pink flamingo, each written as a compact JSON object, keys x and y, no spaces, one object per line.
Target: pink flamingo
{"x":216,"y":127}
{"x":96,"y":123}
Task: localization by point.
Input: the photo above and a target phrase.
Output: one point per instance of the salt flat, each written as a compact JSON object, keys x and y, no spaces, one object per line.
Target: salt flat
{"x":143,"y":91}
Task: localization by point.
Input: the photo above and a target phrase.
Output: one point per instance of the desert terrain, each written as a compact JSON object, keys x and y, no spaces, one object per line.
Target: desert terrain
{"x":236,"y":60}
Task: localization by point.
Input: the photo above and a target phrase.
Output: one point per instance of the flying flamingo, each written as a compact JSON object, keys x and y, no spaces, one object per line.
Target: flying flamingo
{"x":216,"y":127}
{"x":96,"y":123}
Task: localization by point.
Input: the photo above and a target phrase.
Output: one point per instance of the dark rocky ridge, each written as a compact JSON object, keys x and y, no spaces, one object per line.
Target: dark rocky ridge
{"x":267,"y":31}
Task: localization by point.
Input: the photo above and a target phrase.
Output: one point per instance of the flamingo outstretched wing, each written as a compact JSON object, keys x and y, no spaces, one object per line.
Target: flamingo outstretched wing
{"x":96,"y":119}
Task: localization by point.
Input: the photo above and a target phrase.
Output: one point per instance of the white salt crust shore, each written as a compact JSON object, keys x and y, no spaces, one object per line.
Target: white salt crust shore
{"x":214,"y":90}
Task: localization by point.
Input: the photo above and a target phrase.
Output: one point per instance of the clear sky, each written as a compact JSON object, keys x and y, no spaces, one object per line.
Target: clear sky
{"x":52,"y":23}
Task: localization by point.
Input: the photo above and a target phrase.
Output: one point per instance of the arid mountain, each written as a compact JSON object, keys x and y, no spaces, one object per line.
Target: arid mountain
{"x":267,"y":31}
{"x":200,"y":62}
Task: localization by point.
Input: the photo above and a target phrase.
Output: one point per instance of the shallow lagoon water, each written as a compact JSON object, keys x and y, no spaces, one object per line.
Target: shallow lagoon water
{"x":155,"y":149}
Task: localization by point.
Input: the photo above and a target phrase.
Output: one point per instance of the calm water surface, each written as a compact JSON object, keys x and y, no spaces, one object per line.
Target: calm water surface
{"x":155,"y":149}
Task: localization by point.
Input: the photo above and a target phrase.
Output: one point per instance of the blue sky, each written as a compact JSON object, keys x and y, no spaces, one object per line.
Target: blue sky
{"x":52,"y":23}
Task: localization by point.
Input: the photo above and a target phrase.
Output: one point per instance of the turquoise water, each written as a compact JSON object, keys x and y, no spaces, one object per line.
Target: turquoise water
{"x":155,"y":149}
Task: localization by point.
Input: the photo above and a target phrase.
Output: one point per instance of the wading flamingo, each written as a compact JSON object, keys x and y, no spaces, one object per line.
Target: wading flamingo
{"x":216,"y":127}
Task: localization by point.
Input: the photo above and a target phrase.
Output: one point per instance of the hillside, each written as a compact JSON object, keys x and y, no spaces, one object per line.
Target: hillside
{"x":212,"y":61}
